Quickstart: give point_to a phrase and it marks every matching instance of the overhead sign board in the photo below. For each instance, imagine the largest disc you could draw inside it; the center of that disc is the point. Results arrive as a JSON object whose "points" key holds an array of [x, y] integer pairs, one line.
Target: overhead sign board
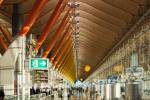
{"points": [[135, 72], [101, 82], [38, 63], [112, 79]]}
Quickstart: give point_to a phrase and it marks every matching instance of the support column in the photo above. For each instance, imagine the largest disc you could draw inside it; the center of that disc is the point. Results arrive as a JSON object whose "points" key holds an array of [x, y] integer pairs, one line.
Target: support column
{"points": [[17, 19], [16, 25], [20, 71]]}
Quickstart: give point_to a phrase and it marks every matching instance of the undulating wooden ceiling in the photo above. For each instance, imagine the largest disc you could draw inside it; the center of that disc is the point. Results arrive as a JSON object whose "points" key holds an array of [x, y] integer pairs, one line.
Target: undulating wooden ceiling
{"points": [[102, 23]]}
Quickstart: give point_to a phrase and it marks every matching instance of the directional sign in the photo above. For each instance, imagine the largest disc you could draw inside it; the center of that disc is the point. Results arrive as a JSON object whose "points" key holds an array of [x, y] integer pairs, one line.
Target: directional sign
{"points": [[135, 71], [101, 82], [112, 79], [38, 63]]}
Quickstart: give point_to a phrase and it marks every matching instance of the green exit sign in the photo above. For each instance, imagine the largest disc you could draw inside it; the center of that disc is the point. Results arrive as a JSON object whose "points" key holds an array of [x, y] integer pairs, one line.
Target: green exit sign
{"points": [[39, 63]]}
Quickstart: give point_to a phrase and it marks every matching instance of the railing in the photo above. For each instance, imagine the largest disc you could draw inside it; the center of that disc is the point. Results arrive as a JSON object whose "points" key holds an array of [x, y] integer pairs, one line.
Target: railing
{"points": [[15, 97], [38, 96], [41, 96]]}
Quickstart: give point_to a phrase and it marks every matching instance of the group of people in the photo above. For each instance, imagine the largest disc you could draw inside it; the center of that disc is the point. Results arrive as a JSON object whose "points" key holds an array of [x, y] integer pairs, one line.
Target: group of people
{"points": [[34, 91], [38, 90]]}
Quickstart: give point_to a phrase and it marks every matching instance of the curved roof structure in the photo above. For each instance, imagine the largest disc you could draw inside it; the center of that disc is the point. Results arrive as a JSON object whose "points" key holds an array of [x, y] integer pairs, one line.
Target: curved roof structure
{"points": [[102, 23]]}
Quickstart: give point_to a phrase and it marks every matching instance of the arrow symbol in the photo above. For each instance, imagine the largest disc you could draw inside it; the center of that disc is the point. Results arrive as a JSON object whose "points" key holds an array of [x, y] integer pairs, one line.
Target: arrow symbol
{"points": [[43, 63]]}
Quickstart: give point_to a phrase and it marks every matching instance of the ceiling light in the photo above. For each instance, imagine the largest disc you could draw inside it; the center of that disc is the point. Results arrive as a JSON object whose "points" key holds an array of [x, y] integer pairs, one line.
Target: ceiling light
{"points": [[73, 4], [87, 68], [81, 79]]}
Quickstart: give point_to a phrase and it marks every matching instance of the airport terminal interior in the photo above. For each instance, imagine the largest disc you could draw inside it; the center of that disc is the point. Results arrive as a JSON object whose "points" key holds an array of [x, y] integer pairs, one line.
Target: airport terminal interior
{"points": [[74, 49]]}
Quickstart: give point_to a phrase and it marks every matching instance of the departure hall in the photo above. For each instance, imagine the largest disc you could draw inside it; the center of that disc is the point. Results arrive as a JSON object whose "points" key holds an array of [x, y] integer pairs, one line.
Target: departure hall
{"points": [[74, 49]]}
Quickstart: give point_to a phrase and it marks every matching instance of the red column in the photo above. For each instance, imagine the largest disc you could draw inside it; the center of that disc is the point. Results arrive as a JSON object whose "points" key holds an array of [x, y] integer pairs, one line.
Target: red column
{"points": [[65, 61], [52, 20], [6, 33], [61, 27], [59, 55], [61, 42], [3, 44], [37, 8], [1, 1], [59, 65]]}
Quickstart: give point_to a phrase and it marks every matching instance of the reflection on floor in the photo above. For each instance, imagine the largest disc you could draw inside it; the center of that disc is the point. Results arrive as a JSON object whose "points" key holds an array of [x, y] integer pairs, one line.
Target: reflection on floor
{"points": [[79, 96]]}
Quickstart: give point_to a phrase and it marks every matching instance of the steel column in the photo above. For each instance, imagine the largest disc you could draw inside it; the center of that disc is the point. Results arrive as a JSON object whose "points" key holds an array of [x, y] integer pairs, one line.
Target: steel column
{"points": [[52, 20], [53, 40], [37, 8]]}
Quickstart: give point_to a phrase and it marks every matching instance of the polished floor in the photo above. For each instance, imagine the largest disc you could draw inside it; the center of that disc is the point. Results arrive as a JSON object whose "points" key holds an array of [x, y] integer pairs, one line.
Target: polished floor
{"points": [[78, 96]]}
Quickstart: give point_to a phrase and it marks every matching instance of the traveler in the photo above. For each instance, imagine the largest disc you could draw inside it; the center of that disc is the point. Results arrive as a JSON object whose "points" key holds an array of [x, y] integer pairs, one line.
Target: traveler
{"points": [[2, 94]]}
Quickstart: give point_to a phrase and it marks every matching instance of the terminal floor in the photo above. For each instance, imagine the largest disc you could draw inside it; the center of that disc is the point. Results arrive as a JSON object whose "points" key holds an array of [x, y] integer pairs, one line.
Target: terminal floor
{"points": [[78, 97]]}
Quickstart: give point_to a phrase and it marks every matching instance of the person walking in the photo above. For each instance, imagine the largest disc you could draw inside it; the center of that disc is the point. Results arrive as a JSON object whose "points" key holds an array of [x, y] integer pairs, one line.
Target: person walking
{"points": [[2, 94]]}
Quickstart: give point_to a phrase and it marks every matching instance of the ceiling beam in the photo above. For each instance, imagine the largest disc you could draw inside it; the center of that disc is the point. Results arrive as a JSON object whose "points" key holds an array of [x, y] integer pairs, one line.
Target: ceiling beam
{"points": [[6, 33], [92, 41], [111, 21], [91, 44], [68, 64], [96, 33], [126, 9], [107, 8], [62, 42], [101, 23], [61, 61], [102, 14], [11, 2], [3, 44], [55, 36], [37, 8], [65, 61], [140, 2], [60, 54], [52, 20], [98, 40], [98, 27]]}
